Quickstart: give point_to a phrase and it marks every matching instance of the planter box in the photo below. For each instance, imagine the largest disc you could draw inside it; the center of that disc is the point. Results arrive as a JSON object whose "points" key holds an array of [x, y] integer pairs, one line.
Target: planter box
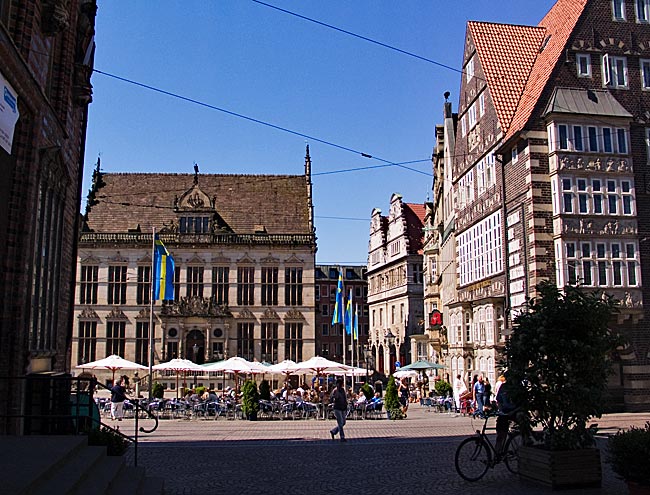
{"points": [[561, 469]]}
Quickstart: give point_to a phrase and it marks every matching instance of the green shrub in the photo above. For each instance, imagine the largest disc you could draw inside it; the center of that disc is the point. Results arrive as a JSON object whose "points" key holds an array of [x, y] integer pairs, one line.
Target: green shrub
{"points": [[629, 454], [265, 390], [391, 400], [250, 401], [157, 390], [442, 387], [115, 443], [367, 391], [200, 391]]}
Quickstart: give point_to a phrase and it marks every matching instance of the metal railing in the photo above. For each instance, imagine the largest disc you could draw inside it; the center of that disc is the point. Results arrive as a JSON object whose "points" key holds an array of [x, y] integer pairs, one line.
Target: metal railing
{"points": [[63, 405]]}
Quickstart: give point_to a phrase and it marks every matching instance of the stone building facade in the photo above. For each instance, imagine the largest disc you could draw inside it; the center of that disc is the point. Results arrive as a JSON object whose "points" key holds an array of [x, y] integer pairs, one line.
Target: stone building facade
{"points": [[244, 250], [395, 282], [329, 339], [46, 57], [550, 172]]}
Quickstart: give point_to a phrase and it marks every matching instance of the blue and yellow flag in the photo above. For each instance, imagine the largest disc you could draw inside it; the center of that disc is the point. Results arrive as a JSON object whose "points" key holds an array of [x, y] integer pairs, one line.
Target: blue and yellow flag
{"points": [[163, 276], [337, 315], [356, 322], [348, 315]]}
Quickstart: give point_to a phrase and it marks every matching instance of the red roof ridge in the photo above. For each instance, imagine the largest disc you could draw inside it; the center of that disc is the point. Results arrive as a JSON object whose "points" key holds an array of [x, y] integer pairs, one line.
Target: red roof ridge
{"points": [[559, 22]]}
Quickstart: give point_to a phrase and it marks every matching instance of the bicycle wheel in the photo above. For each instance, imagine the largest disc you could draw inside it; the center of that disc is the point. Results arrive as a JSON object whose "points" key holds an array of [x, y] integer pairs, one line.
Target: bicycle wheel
{"points": [[472, 458], [511, 456]]}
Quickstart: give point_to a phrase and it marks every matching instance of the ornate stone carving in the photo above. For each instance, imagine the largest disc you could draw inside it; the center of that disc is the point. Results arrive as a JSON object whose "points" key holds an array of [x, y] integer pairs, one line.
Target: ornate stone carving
{"points": [[169, 228], [88, 314], [143, 314], [54, 17], [294, 314], [116, 314], [195, 306], [246, 314], [600, 226], [611, 164], [270, 314]]}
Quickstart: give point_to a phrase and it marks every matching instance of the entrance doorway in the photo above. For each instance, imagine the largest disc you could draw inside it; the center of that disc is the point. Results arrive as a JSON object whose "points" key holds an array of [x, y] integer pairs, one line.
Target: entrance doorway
{"points": [[195, 346]]}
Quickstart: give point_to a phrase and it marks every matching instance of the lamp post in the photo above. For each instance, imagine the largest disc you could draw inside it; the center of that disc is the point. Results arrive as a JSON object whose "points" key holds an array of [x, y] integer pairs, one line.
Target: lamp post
{"points": [[390, 340], [195, 350], [366, 354]]}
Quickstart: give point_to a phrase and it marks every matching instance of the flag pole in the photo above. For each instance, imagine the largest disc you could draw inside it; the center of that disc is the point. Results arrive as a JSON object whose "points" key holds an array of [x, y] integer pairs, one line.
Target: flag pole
{"points": [[153, 285]]}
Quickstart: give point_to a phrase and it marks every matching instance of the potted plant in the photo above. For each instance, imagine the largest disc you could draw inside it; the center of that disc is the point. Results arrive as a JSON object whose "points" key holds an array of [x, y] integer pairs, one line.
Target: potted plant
{"points": [[442, 388], [157, 390], [629, 454], [391, 401], [557, 363], [250, 400]]}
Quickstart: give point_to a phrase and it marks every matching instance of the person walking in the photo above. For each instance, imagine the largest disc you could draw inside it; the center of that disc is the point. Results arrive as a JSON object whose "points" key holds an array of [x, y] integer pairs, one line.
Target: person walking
{"points": [[118, 396], [339, 401], [479, 390]]}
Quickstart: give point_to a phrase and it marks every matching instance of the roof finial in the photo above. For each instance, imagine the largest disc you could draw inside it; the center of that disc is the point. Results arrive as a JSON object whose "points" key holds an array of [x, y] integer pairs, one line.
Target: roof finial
{"points": [[196, 173]]}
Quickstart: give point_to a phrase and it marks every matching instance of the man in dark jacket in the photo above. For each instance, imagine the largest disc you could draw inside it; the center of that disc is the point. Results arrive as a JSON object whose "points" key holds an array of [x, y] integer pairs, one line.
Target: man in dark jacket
{"points": [[339, 401], [118, 396]]}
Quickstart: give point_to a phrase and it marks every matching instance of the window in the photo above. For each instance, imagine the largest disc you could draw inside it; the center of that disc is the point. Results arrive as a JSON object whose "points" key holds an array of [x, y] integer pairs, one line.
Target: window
{"points": [[582, 196], [417, 274], [469, 69], [593, 138], [614, 71], [596, 139], [325, 310], [618, 10], [578, 141], [463, 126], [643, 11], [479, 250], [293, 286], [220, 284], [246, 285], [583, 64], [143, 294], [602, 264], [194, 281], [563, 137], [468, 327], [89, 282], [87, 342], [142, 343], [317, 292], [293, 341], [514, 154], [194, 225], [269, 286], [269, 342], [607, 140], [177, 283], [485, 173], [115, 337], [481, 104], [245, 342], [471, 115], [567, 195], [645, 73], [621, 141], [116, 286], [617, 195], [325, 329]]}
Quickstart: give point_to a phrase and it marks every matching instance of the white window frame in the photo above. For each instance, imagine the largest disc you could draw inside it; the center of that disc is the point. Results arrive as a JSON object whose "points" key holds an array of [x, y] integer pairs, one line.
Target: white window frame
{"points": [[618, 5], [612, 72], [579, 58], [469, 69], [479, 250], [610, 198], [618, 137], [471, 116], [642, 10], [644, 66], [481, 103]]}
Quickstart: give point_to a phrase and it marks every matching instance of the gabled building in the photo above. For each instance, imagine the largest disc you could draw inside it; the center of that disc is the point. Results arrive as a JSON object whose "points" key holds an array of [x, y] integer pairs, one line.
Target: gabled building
{"points": [[244, 249], [551, 162], [395, 282], [46, 60], [329, 338]]}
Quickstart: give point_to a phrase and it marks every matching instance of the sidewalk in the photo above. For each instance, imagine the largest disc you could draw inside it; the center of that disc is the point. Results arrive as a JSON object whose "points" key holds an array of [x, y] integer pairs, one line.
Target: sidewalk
{"points": [[415, 455]]}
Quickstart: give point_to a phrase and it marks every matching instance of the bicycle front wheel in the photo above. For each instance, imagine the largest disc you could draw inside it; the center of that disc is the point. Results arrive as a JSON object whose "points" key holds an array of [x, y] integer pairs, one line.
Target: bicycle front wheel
{"points": [[511, 456], [472, 459]]}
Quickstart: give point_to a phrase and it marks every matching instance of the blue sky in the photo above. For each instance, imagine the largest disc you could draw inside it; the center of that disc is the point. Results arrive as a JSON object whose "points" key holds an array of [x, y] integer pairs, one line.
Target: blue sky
{"points": [[252, 60]]}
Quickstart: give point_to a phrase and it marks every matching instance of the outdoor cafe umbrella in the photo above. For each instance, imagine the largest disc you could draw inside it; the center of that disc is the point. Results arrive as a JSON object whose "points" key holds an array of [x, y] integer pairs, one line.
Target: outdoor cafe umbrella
{"points": [[178, 365], [401, 373], [113, 363], [286, 368], [423, 364], [319, 365], [236, 365]]}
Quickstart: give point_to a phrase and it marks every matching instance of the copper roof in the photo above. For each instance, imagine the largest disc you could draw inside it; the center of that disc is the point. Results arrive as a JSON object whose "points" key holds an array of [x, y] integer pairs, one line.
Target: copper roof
{"points": [[507, 53], [558, 24], [277, 204]]}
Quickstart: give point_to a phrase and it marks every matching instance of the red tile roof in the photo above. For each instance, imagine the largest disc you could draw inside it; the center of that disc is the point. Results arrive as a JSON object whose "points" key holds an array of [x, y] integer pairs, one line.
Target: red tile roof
{"points": [[558, 24], [507, 54], [414, 214]]}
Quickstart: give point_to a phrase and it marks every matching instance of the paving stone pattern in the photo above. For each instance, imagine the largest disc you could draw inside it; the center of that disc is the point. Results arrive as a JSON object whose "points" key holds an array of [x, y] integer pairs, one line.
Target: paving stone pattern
{"points": [[416, 455]]}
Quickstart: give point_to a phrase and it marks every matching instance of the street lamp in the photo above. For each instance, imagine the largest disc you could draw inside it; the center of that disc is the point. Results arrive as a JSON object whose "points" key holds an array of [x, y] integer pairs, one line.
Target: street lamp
{"points": [[195, 350], [367, 352], [390, 340]]}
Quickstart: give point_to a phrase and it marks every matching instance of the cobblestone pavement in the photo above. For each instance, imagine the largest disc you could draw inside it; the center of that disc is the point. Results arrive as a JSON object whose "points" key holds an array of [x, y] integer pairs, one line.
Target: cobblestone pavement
{"points": [[416, 455]]}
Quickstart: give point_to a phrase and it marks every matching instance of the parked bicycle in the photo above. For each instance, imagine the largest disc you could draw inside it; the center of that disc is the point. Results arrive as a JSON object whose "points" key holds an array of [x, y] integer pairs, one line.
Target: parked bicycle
{"points": [[476, 454]]}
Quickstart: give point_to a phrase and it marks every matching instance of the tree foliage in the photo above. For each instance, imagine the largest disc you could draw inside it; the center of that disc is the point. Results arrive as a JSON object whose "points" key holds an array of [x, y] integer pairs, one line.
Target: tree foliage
{"points": [[391, 400], [250, 401], [557, 363]]}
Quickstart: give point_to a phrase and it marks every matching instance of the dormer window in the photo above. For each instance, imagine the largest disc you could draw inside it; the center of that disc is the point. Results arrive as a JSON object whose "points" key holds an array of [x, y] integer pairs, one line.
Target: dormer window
{"points": [[194, 225]]}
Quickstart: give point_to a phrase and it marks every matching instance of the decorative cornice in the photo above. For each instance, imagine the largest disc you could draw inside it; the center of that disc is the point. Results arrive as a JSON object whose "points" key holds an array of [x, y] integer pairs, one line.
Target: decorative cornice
{"points": [[270, 314], [294, 314], [195, 306], [143, 314], [116, 314], [246, 314], [88, 314]]}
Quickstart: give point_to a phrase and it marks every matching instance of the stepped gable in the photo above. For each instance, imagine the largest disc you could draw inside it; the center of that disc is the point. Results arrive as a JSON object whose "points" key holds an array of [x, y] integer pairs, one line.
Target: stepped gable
{"points": [[558, 24], [414, 214], [506, 53], [139, 202]]}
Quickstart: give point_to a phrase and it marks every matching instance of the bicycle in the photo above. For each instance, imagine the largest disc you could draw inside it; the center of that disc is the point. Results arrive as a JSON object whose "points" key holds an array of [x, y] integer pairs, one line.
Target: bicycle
{"points": [[476, 454]]}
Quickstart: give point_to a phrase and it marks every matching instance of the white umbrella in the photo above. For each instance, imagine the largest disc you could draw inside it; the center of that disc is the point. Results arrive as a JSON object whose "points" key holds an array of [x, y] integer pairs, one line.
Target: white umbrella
{"points": [[405, 373], [237, 365], [177, 365], [113, 363], [319, 365]]}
